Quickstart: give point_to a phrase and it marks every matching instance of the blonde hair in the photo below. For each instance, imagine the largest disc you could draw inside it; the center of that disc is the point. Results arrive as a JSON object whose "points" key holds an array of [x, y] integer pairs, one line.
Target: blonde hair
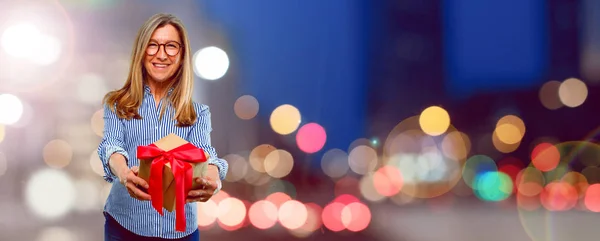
{"points": [[126, 101]]}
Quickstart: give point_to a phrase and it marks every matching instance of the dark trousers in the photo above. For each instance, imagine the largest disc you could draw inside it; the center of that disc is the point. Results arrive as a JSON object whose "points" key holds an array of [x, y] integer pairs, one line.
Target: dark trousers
{"points": [[113, 231]]}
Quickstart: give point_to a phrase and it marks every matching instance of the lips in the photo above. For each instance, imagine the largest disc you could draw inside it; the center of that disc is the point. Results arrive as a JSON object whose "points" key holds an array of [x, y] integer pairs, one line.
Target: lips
{"points": [[160, 66]]}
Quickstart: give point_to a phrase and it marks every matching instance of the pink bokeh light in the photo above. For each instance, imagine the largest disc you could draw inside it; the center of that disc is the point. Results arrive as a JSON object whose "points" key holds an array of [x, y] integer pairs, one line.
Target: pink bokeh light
{"points": [[311, 138]]}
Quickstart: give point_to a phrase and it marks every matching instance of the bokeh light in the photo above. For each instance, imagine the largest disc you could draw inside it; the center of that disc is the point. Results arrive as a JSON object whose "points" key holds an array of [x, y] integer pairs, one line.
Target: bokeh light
{"points": [[11, 109], [456, 145], [356, 216], [572, 92], [97, 123], [493, 186], [57, 153], [434, 120], [18, 39], [510, 129], [388, 180], [211, 63], [332, 216], [208, 212], [335, 163], [592, 198], [545, 157], [549, 95], [96, 164], [231, 211], [292, 214], [50, 193], [56, 234], [477, 165], [279, 163], [285, 119], [263, 214], [362, 159], [311, 138], [2, 132], [258, 155], [246, 107], [238, 167]]}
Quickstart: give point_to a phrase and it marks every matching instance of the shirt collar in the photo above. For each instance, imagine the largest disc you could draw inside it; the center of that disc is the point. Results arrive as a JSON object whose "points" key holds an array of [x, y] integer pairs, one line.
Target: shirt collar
{"points": [[147, 90]]}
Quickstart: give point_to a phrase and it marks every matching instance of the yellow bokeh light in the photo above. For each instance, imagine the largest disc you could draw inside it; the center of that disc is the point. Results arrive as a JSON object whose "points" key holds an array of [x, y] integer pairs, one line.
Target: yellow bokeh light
{"points": [[279, 163], [258, 155], [510, 129], [508, 133], [572, 92], [285, 119], [434, 120]]}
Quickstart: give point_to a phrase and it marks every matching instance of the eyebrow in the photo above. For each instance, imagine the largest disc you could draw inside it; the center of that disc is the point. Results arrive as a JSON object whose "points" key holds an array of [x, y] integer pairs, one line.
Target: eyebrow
{"points": [[154, 40]]}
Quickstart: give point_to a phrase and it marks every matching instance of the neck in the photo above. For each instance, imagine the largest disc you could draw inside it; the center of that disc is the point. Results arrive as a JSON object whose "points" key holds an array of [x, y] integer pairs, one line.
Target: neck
{"points": [[158, 89]]}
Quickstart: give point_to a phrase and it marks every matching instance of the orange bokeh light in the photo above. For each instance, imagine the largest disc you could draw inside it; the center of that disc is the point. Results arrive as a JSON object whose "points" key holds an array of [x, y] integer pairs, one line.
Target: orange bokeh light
{"points": [[592, 198], [545, 157]]}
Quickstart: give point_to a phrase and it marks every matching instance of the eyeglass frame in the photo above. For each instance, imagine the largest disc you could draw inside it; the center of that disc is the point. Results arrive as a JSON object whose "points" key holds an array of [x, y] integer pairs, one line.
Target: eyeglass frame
{"points": [[164, 48]]}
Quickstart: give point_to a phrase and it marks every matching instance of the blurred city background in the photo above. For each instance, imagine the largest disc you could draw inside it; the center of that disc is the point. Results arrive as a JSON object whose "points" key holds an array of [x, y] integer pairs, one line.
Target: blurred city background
{"points": [[415, 120]]}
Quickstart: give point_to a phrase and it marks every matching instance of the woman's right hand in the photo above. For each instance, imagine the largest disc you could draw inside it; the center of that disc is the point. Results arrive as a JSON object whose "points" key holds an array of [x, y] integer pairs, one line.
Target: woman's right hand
{"points": [[132, 182]]}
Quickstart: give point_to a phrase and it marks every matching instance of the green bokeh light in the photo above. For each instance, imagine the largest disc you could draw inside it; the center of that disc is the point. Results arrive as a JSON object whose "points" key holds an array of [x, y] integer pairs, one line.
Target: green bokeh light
{"points": [[493, 186]]}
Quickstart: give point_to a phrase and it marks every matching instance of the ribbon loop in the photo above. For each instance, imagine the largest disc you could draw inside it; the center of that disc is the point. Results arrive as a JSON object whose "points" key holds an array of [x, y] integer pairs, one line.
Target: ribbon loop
{"points": [[180, 160]]}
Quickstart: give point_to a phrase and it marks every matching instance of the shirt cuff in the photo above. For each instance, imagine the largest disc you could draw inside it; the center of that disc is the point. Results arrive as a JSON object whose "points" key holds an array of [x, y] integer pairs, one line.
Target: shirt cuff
{"points": [[221, 165], [109, 176]]}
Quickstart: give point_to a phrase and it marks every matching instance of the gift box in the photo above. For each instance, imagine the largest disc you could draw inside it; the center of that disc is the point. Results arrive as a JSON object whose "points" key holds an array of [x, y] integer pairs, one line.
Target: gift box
{"points": [[170, 166]]}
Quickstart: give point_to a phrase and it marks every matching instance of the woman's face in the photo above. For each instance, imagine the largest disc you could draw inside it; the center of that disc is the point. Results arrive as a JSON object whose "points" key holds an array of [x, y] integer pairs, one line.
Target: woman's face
{"points": [[163, 54]]}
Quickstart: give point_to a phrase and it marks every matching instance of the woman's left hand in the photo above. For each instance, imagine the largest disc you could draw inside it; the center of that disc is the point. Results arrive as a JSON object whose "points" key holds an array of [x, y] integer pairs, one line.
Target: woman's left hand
{"points": [[204, 192]]}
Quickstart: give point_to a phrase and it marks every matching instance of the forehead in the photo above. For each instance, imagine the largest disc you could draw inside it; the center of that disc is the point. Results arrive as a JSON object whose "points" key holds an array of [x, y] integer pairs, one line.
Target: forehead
{"points": [[166, 33]]}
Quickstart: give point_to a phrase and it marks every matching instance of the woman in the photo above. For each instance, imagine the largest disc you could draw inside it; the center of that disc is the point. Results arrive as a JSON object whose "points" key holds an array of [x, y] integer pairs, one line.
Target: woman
{"points": [[155, 101]]}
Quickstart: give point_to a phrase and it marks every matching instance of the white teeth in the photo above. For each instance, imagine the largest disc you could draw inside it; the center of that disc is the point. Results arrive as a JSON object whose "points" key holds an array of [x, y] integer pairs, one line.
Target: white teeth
{"points": [[160, 65]]}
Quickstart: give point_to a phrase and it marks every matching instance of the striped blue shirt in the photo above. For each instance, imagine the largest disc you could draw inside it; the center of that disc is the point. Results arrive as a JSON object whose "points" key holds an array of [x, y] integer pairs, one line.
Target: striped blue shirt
{"points": [[123, 136]]}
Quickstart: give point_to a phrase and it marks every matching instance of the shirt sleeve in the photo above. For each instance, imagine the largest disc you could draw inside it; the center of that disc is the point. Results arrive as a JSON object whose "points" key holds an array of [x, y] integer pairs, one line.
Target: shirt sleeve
{"points": [[112, 142], [200, 137]]}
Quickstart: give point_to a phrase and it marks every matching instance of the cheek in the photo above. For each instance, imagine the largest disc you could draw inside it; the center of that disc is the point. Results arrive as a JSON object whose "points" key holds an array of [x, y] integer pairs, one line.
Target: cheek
{"points": [[147, 60]]}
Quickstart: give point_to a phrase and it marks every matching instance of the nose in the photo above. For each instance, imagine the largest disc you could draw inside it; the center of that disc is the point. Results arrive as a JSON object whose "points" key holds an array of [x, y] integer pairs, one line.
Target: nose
{"points": [[162, 55]]}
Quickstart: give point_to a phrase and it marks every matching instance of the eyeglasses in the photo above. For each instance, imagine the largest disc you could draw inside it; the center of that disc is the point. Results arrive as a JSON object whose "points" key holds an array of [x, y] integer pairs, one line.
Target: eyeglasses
{"points": [[171, 48]]}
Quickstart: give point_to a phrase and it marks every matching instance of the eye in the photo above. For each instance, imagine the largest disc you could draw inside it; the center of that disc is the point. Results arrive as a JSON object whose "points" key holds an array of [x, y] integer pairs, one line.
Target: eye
{"points": [[172, 46], [152, 45]]}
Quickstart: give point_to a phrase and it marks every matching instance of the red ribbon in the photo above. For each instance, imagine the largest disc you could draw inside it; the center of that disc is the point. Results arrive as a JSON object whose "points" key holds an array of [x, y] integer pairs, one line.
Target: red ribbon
{"points": [[179, 159]]}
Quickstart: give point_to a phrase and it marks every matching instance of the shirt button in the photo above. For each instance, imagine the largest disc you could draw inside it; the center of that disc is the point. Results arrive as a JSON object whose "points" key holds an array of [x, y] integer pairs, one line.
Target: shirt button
{"points": [[156, 127]]}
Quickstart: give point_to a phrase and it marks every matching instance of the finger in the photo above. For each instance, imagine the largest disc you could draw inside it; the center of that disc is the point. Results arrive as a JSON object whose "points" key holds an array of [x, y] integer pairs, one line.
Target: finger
{"points": [[197, 193], [209, 184], [138, 181], [199, 199], [135, 169], [137, 192]]}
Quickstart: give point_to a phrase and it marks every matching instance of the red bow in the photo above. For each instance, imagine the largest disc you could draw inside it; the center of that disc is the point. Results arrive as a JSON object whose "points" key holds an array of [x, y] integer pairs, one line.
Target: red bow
{"points": [[179, 159]]}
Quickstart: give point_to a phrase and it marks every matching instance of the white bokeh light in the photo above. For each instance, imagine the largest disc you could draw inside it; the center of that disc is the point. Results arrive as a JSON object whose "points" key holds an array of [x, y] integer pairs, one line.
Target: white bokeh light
{"points": [[211, 63], [47, 50], [18, 39], [11, 109], [56, 234], [50, 193]]}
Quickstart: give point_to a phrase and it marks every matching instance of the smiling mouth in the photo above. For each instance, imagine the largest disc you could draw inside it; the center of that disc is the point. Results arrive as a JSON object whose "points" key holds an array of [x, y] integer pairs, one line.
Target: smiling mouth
{"points": [[160, 66]]}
